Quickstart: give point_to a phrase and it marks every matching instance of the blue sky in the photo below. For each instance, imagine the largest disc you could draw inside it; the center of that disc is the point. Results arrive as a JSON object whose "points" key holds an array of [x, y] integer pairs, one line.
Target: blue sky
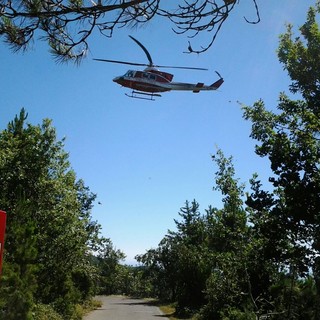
{"points": [[144, 159]]}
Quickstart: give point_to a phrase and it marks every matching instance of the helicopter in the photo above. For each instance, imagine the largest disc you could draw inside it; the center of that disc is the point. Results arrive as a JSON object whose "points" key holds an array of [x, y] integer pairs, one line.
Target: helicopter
{"points": [[150, 82]]}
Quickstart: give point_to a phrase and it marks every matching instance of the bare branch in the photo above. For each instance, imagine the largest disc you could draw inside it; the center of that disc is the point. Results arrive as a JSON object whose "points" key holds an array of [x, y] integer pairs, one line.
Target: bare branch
{"points": [[257, 13], [68, 24]]}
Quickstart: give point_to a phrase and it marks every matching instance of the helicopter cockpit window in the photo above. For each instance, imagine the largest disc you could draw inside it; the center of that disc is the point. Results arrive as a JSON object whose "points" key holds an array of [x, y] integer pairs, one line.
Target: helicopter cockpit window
{"points": [[149, 76], [129, 73]]}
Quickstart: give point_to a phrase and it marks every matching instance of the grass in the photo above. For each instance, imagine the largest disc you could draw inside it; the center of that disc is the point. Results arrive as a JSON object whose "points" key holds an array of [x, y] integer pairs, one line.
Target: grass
{"points": [[169, 311], [91, 305]]}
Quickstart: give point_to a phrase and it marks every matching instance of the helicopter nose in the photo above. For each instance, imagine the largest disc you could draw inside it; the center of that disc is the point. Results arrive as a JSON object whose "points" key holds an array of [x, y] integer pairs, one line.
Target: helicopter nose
{"points": [[118, 79]]}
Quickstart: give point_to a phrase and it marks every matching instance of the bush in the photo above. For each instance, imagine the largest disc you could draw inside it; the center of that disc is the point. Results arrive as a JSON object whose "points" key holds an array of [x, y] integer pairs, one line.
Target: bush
{"points": [[235, 314], [78, 312], [86, 307], [45, 312]]}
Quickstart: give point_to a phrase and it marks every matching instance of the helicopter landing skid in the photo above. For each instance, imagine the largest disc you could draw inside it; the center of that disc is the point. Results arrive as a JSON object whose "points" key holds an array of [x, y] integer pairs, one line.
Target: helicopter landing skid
{"points": [[144, 96]]}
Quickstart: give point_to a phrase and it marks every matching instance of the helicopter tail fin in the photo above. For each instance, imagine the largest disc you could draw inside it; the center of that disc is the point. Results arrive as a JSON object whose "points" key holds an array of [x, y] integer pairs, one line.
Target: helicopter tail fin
{"points": [[217, 84]]}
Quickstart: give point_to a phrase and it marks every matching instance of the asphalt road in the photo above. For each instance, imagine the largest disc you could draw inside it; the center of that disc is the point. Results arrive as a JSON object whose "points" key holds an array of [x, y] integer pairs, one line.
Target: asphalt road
{"points": [[124, 308]]}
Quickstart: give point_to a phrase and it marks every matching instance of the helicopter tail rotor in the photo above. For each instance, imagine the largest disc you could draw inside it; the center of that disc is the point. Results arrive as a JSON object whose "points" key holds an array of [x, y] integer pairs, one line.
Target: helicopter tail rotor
{"points": [[219, 75]]}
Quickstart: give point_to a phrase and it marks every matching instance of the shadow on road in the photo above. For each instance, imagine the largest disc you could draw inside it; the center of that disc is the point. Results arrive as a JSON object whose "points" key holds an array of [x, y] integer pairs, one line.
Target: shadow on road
{"points": [[137, 301], [155, 303]]}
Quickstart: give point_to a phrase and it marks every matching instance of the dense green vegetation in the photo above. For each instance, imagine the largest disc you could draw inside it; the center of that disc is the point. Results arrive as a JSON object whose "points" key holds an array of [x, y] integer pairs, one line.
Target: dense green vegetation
{"points": [[256, 256], [50, 236]]}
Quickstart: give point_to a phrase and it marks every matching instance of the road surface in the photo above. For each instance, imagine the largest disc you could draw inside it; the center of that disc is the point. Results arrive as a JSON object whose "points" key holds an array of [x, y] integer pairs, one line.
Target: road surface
{"points": [[124, 308]]}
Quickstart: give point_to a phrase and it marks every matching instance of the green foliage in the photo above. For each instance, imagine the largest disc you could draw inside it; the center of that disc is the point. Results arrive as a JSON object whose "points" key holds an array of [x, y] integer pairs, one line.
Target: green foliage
{"points": [[204, 261], [287, 222], [107, 265], [253, 258], [49, 227], [290, 139], [18, 283], [45, 312], [258, 258], [235, 314]]}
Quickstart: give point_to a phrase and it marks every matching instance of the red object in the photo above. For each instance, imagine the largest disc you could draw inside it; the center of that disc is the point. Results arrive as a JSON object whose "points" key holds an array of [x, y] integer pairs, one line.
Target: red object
{"points": [[3, 218]]}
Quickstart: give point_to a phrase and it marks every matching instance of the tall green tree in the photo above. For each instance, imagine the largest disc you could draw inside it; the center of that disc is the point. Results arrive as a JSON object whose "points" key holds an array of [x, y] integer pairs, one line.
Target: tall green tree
{"points": [[55, 222], [228, 238], [191, 263], [108, 264], [19, 284], [288, 220], [161, 269], [178, 264], [203, 262], [290, 139]]}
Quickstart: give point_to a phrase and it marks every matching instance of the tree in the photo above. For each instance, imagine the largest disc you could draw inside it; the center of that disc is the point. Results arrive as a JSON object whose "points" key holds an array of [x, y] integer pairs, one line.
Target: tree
{"points": [[178, 266], [204, 263], [161, 269], [67, 25], [191, 263], [19, 283], [107, 262], [291, 141], [49, 209], [228, 286], [288, 220]]}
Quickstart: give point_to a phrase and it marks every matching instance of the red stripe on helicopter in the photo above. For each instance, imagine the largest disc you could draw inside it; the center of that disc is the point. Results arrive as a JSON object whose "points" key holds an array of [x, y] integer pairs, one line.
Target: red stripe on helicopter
{"points": [[198, 85]]}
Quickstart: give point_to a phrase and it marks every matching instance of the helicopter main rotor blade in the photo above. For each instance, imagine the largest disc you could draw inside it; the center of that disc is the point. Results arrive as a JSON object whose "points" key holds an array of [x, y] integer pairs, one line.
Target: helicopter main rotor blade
{"points": [[156, 66], [144, 49], [187, 68], [123, 62], [146, 65]]}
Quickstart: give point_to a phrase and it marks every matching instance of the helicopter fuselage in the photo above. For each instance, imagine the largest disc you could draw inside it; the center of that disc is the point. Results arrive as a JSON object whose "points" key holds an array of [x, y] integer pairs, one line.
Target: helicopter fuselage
{"points": [[152, 80], [149, 80]]}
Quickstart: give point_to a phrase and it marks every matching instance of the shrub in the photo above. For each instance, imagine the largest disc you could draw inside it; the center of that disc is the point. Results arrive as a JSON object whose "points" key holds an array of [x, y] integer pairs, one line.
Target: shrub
{"points": [[45, 312]]}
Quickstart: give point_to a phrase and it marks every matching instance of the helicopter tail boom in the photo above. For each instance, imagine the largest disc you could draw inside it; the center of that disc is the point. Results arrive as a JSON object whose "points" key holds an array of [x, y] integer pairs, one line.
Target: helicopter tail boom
{"points": [[195, 88]]}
